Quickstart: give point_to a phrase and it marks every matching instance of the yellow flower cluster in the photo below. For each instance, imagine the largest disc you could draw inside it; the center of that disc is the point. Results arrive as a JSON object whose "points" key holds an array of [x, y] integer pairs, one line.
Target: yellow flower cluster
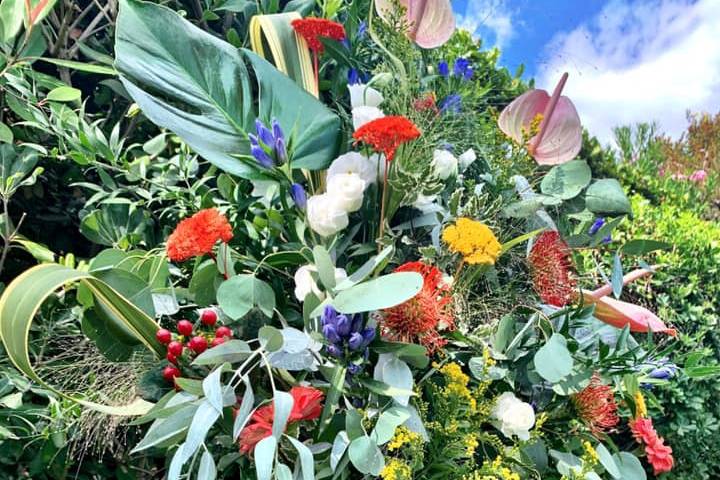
{"points": [[591, 455], [403, 436], [473, 240], [396, 469], [456, 384], [640, 406], [471, 444], [493, 471]]}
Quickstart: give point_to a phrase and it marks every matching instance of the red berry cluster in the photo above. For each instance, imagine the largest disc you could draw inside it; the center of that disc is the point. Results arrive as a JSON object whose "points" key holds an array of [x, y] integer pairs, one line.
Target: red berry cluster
{"points": [[196, 341]]}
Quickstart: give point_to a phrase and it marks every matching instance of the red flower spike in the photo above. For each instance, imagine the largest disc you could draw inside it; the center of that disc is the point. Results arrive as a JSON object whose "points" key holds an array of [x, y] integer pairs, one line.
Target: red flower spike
{"points": [[552, 270], [185, 328], [422, 317], [596, 406], [198, 235], [175, 348], [312, 29], [163, 336], [198, 344], [386, 134], [169, 373]]}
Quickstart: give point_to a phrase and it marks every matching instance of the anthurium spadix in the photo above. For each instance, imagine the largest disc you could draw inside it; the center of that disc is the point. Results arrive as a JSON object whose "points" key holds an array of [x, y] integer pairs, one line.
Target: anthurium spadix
{"points": [[431, 22], [554, 118], [619, 314]]}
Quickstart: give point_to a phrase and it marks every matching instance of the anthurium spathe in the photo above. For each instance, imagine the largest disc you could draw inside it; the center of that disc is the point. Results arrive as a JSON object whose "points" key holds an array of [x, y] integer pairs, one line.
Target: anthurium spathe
{"points": [[619, 314], [431, 22], [554, 118]]}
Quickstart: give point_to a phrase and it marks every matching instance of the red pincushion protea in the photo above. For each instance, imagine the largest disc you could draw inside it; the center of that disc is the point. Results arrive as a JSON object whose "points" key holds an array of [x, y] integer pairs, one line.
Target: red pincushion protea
{"points": [[596, 406], [386, 134], [551, 268], [311, 29], [198, 235], [658, 454], [421, 318]]}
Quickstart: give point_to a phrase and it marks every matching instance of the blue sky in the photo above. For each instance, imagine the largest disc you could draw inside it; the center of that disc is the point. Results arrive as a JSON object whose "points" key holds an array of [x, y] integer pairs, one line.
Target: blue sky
{"points": [[628, 60]]}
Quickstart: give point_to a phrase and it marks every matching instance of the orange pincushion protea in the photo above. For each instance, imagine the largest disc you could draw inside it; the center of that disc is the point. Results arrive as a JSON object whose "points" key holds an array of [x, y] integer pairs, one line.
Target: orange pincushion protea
{"points": [[422, 317], [311, 29], [198, 235], [386, 134], [551, 268], [596, 406]]}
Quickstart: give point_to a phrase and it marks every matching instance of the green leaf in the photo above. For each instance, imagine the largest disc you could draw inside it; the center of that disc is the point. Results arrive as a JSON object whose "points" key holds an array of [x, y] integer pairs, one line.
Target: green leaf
{"points": [[607, 461], [607, 196], [12, 14], [200, 87], [232, 351], [382, 292], [307, 465], [382, 388], [241, 293], [643, 246], [6, 134], [80, 66], [553, 360], [212, 388], [207, 470], [166, 428], [388, 421], [616, 277], [366, 456], [366, 269], [243, 414], [265, 457], [325, 266], [63, 94], [566, 181], [115, 225], [270, 338], [629, 466]]}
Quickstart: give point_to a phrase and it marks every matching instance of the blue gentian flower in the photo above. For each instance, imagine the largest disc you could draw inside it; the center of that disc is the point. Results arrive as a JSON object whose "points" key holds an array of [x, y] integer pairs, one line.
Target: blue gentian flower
{"points": [[461, 66], [297, 192], [597, 225], [451, 104], [468, 75], [261, 156], [362, 30], [346, 336], [607, 239], [353, 76], [444, 69], [264, 134]]}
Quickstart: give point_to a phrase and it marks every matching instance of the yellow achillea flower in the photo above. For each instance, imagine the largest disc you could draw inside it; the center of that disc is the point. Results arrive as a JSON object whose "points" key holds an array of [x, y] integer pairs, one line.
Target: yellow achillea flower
{"points": [[640, 407], [473, 240], [396, 469]]}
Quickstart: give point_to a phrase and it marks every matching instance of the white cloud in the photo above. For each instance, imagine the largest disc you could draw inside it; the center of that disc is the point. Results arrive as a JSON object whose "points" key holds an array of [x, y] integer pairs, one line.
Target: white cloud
{"points": [[488, 16], [640, 60]]}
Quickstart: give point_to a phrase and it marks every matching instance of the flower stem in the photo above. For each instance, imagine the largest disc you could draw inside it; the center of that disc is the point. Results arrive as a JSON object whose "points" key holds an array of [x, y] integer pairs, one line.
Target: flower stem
{"points": [[459, 268], [316, 67], [382, 208]]}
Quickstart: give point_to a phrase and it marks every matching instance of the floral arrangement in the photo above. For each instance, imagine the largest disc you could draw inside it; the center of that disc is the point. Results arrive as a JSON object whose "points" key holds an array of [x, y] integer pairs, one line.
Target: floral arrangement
{"points": [[381, 305]]}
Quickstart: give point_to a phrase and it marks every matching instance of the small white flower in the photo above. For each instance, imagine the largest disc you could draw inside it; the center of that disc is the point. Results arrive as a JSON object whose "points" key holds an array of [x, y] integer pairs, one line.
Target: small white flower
{"points": [[346, 189], [363, 115], [305, 283], [425, 203], [354, 162], [363, 96], [325, 216], [467, 158], [513, 416], [445, 163]]}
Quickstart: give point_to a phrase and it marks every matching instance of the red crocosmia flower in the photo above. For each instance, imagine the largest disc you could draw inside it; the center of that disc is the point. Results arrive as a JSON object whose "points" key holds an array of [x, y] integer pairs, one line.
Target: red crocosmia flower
{"points": [[552, 269], [596, 406], [307, 405], [311, 29], [658, 454], [386, 134], [198, 235], [421, 318]]}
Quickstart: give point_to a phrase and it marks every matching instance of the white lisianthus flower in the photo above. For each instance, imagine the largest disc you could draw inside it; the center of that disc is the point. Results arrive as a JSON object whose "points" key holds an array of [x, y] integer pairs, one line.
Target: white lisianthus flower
{"points": [[346, 190], [425, 203], [357, 163], [467, 158], [363, 96], [445, 163], [512, 416], [325, 215], [363, 115], [305, 283]]}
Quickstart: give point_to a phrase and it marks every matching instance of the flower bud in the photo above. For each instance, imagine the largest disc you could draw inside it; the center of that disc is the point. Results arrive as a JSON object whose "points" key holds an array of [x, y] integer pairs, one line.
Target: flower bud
{"points": [[356, 341]]}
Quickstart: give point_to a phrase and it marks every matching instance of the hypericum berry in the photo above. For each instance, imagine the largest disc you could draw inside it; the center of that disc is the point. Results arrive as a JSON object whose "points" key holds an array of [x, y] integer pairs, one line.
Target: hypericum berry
{"points": [[171, 358], [169, 373], [198, 344], [175, 348], [217, 341], [163, 336], [185, 328], [223, 332], [208, 317]]}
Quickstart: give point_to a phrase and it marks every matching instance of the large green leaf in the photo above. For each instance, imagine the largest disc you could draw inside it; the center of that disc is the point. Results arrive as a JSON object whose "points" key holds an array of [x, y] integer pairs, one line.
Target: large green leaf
{"points": [[198, 86], [23, 297], [607, 196], [567, 180]]}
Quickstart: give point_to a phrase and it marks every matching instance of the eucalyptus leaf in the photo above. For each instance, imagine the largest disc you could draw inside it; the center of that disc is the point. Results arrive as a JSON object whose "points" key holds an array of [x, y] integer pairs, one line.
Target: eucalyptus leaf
{"points": [[567, 180], [553, 360], [241, 293]]}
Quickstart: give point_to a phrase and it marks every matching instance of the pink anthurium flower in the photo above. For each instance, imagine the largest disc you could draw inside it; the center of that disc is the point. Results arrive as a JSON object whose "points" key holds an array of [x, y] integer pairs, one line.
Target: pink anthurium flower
{"points": [[559, 136], [619, 314], [432, 22]]}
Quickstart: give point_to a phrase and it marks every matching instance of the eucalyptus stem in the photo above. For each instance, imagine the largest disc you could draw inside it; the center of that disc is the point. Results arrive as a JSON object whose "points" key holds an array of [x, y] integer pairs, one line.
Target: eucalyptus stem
{"points": [[382, 208]]}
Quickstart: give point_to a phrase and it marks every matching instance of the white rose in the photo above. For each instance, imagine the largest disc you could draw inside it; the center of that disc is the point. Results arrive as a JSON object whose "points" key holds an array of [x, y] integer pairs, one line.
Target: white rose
{"points": [[346, 189], [305, 283], [363, 115], [467, 158], [363, 96], [325, 216], [445, 164], [425, 203], [513, 416], [354, 162]]}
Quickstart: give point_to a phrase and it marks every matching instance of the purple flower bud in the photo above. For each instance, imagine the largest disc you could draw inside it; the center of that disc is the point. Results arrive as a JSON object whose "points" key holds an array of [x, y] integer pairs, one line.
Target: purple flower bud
{"points": [[368, 336], [356, 341], [329, 316], [281, 150], [297, 192], [664, 372], [451, 104], [330, 333], [335, 351], [343, 326], [253, 140], [597, 225], [354, 369], [607, 239], [261, 156], [264, 134], [461, 67], [277, 130], [444, 69], [353, 76], [357, 323], [468, 75]]}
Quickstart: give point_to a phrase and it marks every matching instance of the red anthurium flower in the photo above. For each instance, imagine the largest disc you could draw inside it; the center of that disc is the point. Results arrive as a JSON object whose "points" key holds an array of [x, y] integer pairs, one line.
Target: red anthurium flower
{"points": [[431, 22], [312, 29], [385, 135], [198, 235], [559, 132]]}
